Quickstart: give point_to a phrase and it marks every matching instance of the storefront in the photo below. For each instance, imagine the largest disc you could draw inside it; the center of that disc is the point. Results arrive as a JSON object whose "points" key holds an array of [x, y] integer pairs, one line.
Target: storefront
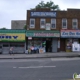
{"points": [[48, 40], [68, 37], [12, 38]]}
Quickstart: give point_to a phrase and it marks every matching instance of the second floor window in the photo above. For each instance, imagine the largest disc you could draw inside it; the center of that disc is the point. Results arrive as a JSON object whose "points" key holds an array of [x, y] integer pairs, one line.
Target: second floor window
{"points": [[64, 23], [32, 23], [75, 24], [53, 23], [42, 23]]}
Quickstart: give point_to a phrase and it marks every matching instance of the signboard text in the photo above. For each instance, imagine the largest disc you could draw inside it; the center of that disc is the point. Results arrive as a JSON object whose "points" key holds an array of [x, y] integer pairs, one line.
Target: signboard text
{"points": [[70, 33], [43, 14]]}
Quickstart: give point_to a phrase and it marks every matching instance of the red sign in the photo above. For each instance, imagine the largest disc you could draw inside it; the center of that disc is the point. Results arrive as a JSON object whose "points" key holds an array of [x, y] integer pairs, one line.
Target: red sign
{"points": [[46, 34]]}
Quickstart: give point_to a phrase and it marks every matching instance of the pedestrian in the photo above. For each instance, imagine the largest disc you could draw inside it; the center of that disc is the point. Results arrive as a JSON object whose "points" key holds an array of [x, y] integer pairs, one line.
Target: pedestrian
{"points": [[32, 49], [11, 50]]}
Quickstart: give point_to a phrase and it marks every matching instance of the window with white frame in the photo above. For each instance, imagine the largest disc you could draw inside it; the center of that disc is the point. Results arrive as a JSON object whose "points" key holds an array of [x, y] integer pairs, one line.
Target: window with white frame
{"points": [[32, 23], [42, 23], [64, 23], [74, 23], [53, 23]]}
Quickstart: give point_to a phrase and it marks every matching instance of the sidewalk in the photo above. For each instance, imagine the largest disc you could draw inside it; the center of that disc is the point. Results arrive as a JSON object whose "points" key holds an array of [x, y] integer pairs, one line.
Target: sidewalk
{"points": [[41, 55]]}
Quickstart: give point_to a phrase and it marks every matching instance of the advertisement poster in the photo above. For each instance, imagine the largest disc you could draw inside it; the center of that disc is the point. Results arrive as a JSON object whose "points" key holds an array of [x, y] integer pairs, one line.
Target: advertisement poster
{"points": [[75, 47]]}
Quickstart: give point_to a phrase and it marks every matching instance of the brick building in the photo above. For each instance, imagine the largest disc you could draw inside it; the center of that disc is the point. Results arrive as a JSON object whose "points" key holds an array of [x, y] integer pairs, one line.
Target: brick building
{"points": [[58, 29]]}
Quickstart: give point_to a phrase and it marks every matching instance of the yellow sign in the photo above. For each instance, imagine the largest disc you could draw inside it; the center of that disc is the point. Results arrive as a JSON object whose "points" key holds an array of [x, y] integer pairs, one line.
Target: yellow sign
{"points": [[12, 36]]}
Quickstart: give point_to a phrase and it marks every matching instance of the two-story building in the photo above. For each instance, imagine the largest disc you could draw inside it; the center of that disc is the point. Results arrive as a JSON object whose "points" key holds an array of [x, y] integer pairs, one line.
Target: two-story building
{"points": [[56, 29], [70, 29], [42, 30]]}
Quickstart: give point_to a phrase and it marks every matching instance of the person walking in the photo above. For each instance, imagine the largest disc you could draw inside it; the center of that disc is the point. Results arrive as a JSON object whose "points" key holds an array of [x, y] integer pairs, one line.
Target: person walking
{"points": [[11, 50]]}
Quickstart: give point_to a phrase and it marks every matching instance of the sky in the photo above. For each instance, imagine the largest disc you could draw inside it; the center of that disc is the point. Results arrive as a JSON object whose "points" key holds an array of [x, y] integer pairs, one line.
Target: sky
{"points": [[17, 9]]}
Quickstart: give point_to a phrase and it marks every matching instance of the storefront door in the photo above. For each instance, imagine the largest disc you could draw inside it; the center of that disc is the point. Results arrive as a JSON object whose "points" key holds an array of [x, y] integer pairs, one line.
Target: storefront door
{"points": [[54, 45], [62, 44], [48, 45]]}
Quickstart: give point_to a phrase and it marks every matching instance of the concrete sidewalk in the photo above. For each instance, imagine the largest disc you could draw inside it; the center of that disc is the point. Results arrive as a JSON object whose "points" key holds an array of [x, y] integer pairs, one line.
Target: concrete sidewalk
{"points": [[41, 55]]}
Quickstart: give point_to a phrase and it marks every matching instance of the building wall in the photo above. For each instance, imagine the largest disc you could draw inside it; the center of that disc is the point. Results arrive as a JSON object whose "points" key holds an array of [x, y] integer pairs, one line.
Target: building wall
{"points": [[69, 14], [18, 24]]}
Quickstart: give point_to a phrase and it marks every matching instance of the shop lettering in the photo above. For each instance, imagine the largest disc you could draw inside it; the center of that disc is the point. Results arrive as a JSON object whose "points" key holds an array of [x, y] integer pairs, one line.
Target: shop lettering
{"points": [[64, 33], [45, 14], [8, 37], [70, 33], [43, 34], [77, 33]]}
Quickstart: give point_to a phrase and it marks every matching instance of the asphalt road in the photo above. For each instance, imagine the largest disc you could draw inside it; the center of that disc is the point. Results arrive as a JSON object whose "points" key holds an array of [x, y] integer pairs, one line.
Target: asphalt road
{"points": [[39, 69]]}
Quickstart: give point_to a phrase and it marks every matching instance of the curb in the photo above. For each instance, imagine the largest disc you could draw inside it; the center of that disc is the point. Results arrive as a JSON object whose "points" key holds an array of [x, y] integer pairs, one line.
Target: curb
{"points": [[41, 57]]}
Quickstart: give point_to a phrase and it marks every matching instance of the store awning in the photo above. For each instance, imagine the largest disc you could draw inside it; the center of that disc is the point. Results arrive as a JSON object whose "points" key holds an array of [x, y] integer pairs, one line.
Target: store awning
{"points": [[42, 33], [12, 31]]}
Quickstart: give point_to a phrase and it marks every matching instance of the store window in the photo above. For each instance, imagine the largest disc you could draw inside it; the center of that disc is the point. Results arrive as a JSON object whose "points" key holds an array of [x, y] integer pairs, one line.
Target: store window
{"points": [[75, 24], [16, 45], [13, 45], [42, 23], [5, 45], [32, 23], [64, 23], [53, 23], [75, 40], [35, 42]]}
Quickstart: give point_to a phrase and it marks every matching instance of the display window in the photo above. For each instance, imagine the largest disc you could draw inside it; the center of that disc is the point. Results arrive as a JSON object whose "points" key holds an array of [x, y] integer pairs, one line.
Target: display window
{"points": [[75, 41], [35, 42]]}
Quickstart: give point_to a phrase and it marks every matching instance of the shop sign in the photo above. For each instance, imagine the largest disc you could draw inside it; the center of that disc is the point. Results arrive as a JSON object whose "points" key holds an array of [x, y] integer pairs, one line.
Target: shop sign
{"points": [[43, 34], [70, 33], [12, 37], [29, 38], [43, 14], [48, 26]]}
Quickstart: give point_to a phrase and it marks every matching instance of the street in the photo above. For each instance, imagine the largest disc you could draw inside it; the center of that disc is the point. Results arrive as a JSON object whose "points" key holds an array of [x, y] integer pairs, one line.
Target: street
{"points": [[39, 69]]}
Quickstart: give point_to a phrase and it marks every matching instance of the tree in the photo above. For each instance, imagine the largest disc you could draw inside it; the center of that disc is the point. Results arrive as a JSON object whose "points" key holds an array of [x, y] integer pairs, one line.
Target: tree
{"points": [[50, 5], [25, 26]]}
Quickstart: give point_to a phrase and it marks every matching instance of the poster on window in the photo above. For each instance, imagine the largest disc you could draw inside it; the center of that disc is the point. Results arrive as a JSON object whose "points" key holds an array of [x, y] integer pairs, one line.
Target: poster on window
{"points": [[75, 47]]}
